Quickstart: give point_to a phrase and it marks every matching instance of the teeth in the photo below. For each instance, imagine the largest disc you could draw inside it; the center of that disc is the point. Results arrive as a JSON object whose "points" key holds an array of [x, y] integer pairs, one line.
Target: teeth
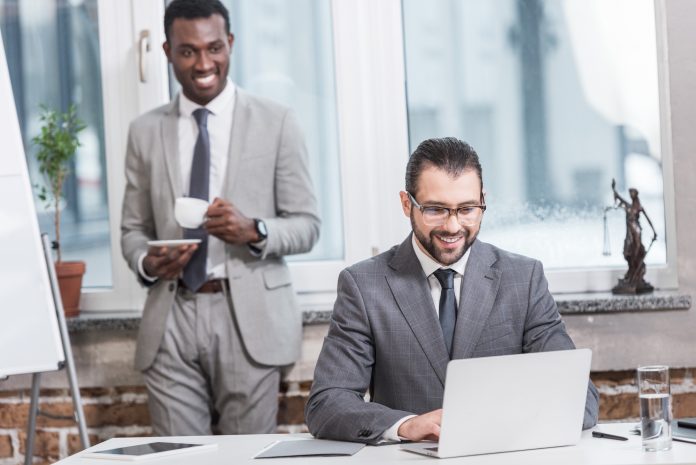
{"points": [[449, 239], [205, 79]]}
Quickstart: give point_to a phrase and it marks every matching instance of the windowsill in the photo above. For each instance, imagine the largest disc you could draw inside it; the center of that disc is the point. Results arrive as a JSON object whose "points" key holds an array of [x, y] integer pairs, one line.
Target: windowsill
{"points": [[568, 304]]}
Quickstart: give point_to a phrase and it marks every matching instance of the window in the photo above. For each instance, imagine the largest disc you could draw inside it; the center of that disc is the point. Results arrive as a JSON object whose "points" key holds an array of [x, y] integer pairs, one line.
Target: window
{"points": [[284, 51], [53, 56], [558, 97]]}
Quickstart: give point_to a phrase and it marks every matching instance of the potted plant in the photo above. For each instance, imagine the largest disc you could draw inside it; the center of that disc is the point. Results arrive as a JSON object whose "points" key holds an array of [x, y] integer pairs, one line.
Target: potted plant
{"points": [[57, 144]]}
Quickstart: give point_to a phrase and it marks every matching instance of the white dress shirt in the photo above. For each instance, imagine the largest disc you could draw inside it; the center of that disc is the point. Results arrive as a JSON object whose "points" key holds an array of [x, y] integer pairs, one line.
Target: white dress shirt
{"points": [[430, 266], [219, 129]]}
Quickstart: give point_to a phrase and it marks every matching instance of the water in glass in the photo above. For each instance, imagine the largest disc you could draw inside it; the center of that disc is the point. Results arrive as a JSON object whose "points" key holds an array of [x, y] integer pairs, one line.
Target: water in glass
{"points": [[656, 418]]}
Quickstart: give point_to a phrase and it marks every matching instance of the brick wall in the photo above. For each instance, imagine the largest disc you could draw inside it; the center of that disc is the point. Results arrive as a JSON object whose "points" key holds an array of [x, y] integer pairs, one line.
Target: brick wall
{"points": [[122, 411]]}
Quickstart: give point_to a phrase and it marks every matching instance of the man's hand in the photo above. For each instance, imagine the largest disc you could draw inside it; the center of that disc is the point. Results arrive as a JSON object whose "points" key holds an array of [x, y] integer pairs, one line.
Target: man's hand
{"points": [[227, 223], [424, 427], [167, 262]]}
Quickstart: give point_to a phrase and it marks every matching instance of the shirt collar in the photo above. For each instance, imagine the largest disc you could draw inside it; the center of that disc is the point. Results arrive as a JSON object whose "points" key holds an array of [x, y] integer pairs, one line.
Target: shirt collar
{"points": [[430, 266], [216, 106]]}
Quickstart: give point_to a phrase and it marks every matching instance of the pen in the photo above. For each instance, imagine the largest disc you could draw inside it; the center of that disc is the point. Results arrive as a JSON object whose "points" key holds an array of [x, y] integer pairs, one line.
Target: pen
{"points": [[599, 434]]}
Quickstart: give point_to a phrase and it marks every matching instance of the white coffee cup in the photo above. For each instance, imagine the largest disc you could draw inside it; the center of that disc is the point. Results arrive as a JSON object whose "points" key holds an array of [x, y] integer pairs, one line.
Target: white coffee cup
{"points": [[190, 212]]}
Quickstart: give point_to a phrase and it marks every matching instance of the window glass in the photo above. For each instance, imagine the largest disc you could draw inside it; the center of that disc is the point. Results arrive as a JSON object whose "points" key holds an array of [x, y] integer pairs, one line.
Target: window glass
{"points": [[283, 50], [557, 97], [52, 49]]}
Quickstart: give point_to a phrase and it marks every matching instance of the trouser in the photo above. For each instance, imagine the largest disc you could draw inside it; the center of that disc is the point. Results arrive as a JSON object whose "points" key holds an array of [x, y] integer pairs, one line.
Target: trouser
{"points": [[202, 374]]}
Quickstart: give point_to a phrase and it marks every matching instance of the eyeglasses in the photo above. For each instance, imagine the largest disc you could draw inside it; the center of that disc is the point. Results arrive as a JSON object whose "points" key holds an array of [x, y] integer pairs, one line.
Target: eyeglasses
{"points": [[437, 216]]}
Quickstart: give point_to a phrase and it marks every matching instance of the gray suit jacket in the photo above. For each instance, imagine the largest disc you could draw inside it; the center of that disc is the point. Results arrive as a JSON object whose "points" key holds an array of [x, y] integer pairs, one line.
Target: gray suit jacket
{"points": [[268, 178], [385, 337]]}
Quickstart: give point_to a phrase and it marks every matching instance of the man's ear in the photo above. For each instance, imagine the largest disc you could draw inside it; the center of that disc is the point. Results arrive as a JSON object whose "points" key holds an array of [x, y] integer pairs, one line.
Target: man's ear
{"points": [[167, 50], [230, 41], [405, 203]]}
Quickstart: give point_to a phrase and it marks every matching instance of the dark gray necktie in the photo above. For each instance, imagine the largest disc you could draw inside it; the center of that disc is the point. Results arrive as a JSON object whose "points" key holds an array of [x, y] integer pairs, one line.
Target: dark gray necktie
{"points": [[195, 272], [448, 305]]}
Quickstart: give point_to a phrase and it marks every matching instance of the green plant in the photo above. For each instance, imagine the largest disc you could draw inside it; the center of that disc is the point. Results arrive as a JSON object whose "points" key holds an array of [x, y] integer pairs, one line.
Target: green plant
{"points": [[56, 144]]}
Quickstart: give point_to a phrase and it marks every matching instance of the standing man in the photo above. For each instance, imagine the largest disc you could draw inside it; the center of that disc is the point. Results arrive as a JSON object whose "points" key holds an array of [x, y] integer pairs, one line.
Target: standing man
{"points": [[401, 316], [220, 319]]}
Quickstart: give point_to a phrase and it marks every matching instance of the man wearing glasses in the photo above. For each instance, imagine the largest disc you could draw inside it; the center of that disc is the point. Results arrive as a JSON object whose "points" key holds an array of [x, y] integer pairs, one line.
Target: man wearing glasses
{"points": [[401, 316]]}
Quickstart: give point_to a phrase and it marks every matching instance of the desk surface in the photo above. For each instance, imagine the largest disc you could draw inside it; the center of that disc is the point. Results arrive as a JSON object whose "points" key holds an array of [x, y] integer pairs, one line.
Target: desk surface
{"points": [[241, 449]]}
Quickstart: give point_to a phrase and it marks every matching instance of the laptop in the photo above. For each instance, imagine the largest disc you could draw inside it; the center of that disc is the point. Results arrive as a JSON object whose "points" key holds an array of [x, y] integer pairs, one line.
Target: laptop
{"points": [[510, 403]]}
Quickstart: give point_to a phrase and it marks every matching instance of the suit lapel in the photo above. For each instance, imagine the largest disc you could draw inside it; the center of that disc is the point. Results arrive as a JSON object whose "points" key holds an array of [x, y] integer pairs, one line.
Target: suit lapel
{"points": [[479, 288], [409, 286], [170, 142], [238, 135]]}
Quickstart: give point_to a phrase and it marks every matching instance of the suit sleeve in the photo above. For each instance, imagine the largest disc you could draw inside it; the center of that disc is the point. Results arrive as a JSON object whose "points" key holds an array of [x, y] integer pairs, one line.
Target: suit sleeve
{"points": [[545, 331], [295, 228], [336, 408], [137, 221]]}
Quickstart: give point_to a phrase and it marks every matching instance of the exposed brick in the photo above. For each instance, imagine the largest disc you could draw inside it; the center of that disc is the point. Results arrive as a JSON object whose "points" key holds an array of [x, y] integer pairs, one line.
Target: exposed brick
{"points": [[130, 390], [14, 415], [63, 409], [684, 405], [46, 444], [75, 443], [119, 414], [5, 445], [304, 386], [291, 410], [618, 407]]}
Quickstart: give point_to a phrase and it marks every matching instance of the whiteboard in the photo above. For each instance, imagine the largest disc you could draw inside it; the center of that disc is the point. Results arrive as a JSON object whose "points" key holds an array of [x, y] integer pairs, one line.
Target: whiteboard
{"points": [[29, 337]]}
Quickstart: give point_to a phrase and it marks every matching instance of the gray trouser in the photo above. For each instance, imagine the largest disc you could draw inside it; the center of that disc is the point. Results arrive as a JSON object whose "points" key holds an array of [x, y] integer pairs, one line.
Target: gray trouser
{"points": [[203, 373]]}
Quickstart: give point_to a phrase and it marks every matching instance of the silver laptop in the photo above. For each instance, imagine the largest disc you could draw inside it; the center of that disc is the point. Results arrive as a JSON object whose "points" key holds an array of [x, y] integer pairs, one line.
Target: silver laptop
{"points": [[511, 402]]}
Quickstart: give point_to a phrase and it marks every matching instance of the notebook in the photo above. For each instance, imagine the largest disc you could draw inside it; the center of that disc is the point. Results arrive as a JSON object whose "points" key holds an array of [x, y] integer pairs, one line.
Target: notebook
{"points": [[511, 402]]}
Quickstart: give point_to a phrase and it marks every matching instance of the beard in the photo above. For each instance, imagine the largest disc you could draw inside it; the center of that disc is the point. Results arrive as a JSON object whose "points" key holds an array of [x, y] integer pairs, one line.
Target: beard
{"points": [[444, 257]]}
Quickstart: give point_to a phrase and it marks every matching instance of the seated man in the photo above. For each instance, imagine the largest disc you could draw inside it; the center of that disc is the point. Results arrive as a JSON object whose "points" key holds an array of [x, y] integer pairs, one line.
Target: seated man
{"points": [[385, 336]]}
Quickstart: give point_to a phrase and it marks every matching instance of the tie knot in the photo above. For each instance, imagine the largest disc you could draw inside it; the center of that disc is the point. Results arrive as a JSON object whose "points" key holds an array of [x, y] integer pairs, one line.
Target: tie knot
{"points": [[446, 277], [201, 116]]}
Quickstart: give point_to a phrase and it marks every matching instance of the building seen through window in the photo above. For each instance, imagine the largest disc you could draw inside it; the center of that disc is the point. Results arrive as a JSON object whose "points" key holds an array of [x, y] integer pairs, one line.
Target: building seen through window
{"points": [[558, 97], [52, 49]]}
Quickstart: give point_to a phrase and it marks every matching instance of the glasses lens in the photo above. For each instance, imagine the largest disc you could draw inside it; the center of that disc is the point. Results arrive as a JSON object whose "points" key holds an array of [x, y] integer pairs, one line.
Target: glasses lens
{"points": [[468, 215], [433, 216]]}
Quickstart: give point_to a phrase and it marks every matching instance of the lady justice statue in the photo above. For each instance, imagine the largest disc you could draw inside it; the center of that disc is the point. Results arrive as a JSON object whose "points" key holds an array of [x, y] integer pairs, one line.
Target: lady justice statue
{"points": [[634, 252]]}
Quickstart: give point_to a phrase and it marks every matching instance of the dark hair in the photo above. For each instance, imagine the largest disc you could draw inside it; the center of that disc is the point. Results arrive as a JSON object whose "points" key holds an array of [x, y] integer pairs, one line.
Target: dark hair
{"points": [[450, 154], [193, 9]]}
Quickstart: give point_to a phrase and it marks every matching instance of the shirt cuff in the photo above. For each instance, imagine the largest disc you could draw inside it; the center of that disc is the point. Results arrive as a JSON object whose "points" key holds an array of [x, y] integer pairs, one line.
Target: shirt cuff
{"points": [[256, 248], [391, 434], [141, 269]]}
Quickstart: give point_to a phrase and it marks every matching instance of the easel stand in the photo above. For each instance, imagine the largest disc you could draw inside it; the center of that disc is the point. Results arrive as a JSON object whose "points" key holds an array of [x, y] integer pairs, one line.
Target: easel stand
{"points": [[79, 415]]}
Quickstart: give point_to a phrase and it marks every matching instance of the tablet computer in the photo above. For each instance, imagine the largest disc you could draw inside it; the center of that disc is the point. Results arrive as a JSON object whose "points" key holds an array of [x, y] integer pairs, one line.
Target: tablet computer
{"points": [[148, 450]]}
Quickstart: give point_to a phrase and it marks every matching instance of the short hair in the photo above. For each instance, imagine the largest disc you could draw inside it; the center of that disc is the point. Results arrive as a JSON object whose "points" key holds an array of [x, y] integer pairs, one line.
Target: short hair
{"points": [[193, 9], [449, 154]]}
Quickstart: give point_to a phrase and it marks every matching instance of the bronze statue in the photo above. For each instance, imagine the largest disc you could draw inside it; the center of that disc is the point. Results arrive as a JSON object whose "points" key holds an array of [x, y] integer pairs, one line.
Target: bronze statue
{"points": [[634, 252]]}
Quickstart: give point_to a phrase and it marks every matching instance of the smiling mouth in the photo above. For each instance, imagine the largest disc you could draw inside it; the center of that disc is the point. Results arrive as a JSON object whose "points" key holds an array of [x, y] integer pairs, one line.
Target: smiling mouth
{"points": [[205, 81], [449, 239]]}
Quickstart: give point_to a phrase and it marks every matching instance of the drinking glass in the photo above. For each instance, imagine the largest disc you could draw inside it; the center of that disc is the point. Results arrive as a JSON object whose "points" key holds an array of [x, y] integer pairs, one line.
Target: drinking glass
{"points": [[655, 407]]}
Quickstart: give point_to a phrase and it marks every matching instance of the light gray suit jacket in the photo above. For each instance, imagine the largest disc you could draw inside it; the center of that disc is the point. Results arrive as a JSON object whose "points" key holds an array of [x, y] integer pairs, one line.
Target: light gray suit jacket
{"points": [[385, 337], [267, 178]]}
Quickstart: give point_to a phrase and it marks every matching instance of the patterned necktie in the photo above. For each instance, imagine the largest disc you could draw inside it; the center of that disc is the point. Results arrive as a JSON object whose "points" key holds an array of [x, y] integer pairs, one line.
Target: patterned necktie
{"points": [[448, 305], [195, 270]]}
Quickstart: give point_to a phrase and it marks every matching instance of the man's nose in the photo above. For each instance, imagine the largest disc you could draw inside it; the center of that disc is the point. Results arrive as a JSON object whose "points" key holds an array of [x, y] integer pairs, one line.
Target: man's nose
{"points": [[452, 224], [204, 62]]}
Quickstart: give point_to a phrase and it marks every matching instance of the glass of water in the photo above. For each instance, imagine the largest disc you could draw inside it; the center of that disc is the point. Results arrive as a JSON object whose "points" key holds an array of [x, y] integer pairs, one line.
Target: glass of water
{"points": [[655, 407]]}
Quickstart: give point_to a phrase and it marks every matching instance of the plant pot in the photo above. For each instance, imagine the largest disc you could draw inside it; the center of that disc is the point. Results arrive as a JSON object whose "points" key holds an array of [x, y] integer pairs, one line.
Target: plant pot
{"points": [[70, 284]]}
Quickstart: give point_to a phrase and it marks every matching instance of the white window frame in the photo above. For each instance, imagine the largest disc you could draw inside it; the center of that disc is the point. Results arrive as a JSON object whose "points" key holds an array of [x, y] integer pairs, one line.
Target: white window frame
{"points": [[373, 142]]}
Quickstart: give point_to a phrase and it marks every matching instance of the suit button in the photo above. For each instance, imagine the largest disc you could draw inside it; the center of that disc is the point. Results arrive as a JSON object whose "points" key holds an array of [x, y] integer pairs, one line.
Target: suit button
{"points": [[171, 287], [363, 433]]}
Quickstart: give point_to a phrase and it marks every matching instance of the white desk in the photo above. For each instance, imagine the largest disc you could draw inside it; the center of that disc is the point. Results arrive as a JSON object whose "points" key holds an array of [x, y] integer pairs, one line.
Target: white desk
{"points": [[239, 450]]}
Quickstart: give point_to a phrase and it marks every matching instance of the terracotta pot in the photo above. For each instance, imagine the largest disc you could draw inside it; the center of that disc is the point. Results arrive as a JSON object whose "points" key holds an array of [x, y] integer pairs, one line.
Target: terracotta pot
{"points": [[70, 284]]}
